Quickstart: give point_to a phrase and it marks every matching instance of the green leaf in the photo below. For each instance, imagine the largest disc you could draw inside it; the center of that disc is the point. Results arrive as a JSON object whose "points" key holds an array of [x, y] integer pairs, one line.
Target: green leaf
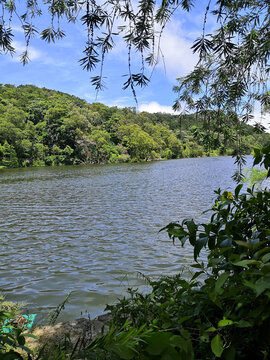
{"points": [[204, 337], [217, 346], [262, 284], [196, 266], [12, 355], [237, 190], [211, 329], [257, 156], [262, 251], [246, 263], [225, 322], [192, 228], [179, 341], [124, 351], [226, 243], [266, 258], [266, 268], [242, 243], [221, 280], [171, 354], [179, 233], [200, 243], [21, 340]]}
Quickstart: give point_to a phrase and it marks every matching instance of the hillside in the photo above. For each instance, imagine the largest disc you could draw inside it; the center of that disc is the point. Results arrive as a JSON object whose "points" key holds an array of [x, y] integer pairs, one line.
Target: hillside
{"points": [[45, 127]]}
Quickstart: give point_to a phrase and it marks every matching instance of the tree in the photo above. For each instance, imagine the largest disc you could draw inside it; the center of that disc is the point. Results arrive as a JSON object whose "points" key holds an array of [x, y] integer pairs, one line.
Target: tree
{"points": [[8, 155], [139, 143]]}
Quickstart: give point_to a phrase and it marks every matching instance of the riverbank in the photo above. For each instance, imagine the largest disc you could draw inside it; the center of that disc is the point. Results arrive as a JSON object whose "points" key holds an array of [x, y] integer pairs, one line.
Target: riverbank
{"points": [[79, 331], [31, 164]]}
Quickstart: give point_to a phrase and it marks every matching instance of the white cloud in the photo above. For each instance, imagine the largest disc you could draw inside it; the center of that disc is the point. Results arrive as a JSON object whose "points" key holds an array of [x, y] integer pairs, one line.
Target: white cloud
{"points": [[263, 119], [18, 29], [154, 107], [33, 53], [176, 48], [123, 101], [175, 56]]}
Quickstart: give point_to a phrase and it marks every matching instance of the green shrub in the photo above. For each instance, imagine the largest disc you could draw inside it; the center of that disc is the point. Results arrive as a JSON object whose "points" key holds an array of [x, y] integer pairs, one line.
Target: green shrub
{"points": [[255, 176], [154, 155], [38, 163], [114, 158], [9, 306], [124, 158], [166, 154], [12, 344]]}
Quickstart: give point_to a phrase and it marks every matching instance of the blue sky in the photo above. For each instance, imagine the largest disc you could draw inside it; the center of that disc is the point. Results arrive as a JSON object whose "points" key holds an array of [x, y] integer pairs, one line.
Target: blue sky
{"points": [[55, 65]]}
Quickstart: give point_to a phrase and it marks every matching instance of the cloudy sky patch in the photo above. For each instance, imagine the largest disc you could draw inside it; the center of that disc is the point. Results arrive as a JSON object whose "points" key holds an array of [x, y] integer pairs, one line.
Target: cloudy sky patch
{"points": [[56, 65], [154, 107]]}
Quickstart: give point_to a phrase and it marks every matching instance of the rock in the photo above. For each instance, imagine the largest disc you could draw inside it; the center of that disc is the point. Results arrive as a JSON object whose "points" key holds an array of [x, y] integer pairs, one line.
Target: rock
{"points": [[80, 331]]}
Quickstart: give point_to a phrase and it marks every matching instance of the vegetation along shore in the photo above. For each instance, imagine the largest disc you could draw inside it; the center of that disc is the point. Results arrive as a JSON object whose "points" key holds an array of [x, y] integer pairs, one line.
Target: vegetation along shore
{"points": [[41, 127]]}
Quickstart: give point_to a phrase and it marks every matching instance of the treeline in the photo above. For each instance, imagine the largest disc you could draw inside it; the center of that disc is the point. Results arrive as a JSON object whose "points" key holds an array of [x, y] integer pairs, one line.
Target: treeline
{"points": [[45, 127]]}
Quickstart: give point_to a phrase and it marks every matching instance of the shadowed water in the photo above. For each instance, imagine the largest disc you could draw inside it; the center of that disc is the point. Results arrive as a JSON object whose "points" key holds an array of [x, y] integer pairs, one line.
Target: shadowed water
{"points": [[91, 229]]}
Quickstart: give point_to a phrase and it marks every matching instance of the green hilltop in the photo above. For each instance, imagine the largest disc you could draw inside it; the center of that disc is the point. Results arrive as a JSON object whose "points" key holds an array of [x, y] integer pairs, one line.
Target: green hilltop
{"points": [[41, 127]]}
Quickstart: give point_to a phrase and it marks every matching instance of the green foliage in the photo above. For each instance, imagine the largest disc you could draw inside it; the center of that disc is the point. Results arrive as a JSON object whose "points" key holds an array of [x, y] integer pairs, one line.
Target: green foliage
{"points": [[138, 143], [10, 307], [8, 155], [44, 127], [12, 344], [255, 176]]}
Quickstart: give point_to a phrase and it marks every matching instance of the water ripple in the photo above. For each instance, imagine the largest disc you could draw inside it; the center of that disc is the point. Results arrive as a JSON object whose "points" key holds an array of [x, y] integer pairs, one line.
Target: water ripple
{"points": [[91, 229]]}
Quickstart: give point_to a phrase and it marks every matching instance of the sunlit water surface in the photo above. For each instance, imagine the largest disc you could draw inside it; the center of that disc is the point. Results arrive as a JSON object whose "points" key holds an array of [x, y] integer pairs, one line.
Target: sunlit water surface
{"points": [[92, 229]]}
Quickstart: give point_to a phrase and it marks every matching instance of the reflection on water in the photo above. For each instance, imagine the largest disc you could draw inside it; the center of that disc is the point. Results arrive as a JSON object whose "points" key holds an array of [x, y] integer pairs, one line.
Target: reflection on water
{"points": [[91, 229]]}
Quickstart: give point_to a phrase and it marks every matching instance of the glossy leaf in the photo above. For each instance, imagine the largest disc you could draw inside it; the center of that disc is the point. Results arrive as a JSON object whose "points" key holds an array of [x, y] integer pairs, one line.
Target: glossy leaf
{"points": [[217, 346]]}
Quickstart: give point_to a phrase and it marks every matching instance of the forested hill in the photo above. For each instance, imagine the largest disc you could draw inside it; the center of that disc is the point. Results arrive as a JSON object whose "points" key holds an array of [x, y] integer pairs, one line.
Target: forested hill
{"points": [[46, 127]]}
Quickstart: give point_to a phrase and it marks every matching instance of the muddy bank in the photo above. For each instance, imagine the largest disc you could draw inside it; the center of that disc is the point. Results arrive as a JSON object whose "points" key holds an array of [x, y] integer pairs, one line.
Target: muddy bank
{"points": [[80, 331]]}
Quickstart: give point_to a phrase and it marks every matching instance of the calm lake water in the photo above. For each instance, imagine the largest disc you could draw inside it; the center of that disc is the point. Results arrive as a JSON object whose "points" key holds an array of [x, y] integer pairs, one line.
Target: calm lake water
{"points": [[91, 229]]}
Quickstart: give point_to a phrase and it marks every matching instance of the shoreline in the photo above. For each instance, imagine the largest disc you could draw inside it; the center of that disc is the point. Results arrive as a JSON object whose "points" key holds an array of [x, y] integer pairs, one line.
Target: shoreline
{"points": [[115, 164]]}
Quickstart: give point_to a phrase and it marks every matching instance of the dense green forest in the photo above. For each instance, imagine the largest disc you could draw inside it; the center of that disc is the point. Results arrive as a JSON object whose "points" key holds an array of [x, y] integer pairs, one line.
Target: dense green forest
{"points": [[45, 127]]}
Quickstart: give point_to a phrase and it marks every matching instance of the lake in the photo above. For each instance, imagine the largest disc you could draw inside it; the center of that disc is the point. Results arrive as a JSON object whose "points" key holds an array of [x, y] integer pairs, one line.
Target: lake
{"points": [[93, 229]]}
